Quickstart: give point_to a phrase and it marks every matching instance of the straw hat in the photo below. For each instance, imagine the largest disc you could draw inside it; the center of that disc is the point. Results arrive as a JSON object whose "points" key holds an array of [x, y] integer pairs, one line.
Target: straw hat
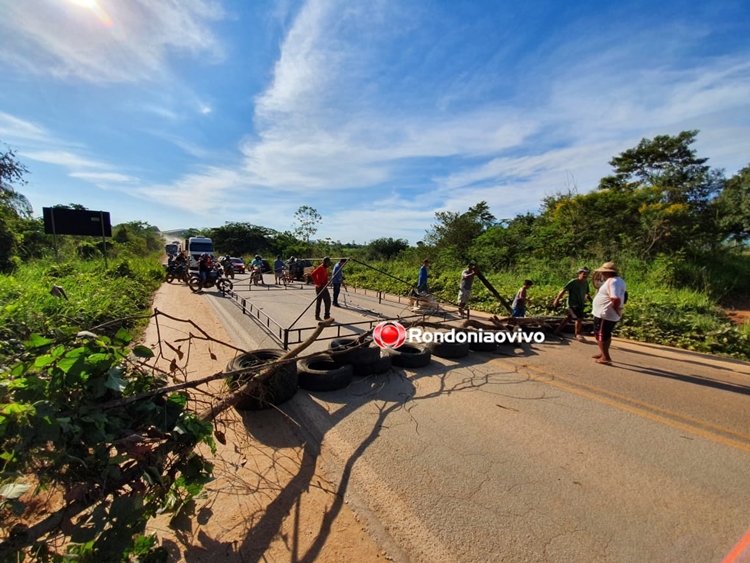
{"points": [[608, 267]]}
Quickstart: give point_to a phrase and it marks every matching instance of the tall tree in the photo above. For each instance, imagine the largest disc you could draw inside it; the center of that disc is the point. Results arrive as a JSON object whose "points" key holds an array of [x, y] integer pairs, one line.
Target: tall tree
{"points": [[732, 206], [454, 232], [307, 218], [15, 209]]}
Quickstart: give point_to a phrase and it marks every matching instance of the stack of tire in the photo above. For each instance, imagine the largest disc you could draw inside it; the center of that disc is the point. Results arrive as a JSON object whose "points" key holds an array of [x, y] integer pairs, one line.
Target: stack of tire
{"points": [[277, 389], [347, 358]]}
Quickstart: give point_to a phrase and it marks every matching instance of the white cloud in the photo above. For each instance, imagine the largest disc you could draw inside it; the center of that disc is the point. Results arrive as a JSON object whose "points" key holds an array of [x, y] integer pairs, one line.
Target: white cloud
{"points": [[67, 40], [103, 177], [17, 129], [63, 158]]}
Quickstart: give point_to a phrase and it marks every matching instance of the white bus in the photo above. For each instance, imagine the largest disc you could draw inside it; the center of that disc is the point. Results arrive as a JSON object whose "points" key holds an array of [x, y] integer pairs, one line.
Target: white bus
{"points": [[195, 246]]}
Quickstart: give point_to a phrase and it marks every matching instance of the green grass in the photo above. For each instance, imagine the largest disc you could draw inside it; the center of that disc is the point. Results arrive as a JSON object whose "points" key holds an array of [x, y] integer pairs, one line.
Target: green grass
{"points": [[95, 295]]}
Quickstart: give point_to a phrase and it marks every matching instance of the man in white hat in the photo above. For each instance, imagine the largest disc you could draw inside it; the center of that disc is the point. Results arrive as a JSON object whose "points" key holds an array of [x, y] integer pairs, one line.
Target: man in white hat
{"points": [[607, 309]]}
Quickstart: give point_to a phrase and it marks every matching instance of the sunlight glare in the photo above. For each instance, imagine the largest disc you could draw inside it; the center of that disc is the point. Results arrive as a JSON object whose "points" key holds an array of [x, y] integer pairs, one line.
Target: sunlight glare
{"points": [[94, 6]]}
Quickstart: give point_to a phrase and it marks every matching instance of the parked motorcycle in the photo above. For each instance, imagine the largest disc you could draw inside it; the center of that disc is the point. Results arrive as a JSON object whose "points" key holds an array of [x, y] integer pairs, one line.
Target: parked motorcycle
{"points": [[215, 279], [176, 271]]}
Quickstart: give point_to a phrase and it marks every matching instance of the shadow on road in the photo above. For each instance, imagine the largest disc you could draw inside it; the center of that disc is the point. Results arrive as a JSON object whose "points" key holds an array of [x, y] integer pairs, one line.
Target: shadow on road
{"points": [[694, 379]]}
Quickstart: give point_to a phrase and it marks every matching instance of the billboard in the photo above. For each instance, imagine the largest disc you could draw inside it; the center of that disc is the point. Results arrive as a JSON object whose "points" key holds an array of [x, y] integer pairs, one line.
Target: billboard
{"points": [[62, 221]]}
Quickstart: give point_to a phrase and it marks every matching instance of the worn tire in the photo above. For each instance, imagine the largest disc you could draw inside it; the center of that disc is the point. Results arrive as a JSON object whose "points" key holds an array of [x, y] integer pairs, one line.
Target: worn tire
{"points": [[277, 389], [348, 353], [410, 356], [449, 350], [381, 365], [321, 373], [482, 346]]}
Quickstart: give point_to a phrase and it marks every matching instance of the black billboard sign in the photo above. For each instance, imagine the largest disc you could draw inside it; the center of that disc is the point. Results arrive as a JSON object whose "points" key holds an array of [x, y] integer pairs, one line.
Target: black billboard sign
{"points": [[62, 221]]}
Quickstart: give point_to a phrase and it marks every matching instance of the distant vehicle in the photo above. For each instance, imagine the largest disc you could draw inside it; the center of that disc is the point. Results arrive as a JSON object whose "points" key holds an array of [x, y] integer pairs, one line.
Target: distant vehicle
{"points": [[172, 249], [302, 270], [239, 265], [195, 246], [266, 267]]}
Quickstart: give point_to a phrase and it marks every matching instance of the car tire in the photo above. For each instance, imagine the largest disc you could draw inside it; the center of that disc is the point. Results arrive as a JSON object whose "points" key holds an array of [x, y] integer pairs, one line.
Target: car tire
{"points": [[381, 365], [321, 373], [348, 352], [482, 346], [409, 356], [277, 389], [449, 350]]}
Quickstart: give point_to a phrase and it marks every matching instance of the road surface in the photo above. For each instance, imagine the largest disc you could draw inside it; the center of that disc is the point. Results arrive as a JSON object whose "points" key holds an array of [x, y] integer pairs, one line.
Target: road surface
{"points": [[529, 454]]}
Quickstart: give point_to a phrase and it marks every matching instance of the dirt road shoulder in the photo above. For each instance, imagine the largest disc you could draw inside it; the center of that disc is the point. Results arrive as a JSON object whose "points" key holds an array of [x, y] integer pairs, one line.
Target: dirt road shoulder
{"points": [[270, 501]]}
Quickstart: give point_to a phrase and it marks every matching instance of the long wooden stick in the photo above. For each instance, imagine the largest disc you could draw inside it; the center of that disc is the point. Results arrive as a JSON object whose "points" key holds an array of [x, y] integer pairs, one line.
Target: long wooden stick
{"points": [[494, 292]]}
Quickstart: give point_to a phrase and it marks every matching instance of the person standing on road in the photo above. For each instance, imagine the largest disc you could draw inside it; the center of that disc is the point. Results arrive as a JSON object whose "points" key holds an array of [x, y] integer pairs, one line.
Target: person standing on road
{"points": [[607, 308], [278, 269], [320, 279], [464, 290], [519, 303], [204, 267], [337, 278], [578, 294], [423, 275]]}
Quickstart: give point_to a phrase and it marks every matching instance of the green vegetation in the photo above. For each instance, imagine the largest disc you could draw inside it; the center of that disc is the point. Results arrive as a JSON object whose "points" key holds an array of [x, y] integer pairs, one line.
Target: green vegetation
{"points": [[676, 228]]}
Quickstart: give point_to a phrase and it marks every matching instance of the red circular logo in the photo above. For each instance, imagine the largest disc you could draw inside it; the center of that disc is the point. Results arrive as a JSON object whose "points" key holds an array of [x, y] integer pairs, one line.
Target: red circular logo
{"points": [[389, 334]]}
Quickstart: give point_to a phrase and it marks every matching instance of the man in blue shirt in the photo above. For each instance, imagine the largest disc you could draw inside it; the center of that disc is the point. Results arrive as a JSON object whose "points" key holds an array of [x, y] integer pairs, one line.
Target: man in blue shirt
{"points": [[337, 278], [423, 275]]}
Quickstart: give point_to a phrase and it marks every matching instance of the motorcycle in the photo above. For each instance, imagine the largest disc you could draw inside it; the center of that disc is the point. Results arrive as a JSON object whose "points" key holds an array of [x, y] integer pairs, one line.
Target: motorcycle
{"points": [[256, 277], [176, 271], [214, 279], [228, 267]]}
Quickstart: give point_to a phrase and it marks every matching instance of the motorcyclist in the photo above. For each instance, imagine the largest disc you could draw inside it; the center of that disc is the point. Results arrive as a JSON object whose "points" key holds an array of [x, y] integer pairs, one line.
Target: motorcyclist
{"points": [[257, 267], [292, 265]]}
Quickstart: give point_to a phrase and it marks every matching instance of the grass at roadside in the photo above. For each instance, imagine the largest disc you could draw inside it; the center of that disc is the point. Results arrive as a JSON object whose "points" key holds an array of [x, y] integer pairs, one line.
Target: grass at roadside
{"points": [[95, 295]]}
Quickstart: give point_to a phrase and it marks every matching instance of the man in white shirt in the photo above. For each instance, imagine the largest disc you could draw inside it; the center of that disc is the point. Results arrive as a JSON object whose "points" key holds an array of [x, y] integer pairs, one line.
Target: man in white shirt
{"points": [[607, 308]]}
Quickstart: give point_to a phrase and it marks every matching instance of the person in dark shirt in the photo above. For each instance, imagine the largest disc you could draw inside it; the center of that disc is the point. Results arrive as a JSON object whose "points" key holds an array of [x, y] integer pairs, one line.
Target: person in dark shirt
{"points": [[337, 278], [578, 295]]}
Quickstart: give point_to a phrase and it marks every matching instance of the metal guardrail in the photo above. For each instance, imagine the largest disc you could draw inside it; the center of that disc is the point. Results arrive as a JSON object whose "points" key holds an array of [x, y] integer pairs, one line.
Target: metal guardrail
{"points": [[286, 336]]}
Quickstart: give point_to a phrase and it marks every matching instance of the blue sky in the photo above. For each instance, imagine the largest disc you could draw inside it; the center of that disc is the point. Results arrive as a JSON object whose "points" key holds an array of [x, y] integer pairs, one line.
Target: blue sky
{"points": [[192, 113]]}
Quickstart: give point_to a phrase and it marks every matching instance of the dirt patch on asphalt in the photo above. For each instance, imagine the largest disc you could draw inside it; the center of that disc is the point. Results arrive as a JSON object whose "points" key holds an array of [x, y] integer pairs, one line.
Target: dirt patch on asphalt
{"points": [[270, 502]]}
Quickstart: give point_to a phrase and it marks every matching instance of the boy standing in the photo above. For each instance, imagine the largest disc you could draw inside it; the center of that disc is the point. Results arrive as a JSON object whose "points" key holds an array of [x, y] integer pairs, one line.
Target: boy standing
{"points": [[578, 294], [519, 303]]}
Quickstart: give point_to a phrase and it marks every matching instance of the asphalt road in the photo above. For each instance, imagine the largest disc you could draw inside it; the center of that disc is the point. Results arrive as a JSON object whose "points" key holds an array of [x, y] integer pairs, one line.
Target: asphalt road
{"points": [[529, 454]]}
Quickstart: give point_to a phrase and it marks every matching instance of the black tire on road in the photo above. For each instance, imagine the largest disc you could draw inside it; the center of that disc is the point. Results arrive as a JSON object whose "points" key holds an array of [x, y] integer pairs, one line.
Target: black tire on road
{"points": [[410, 356], [349, 353], [224, 286], [482, 346], [277, 389], [382, 365], [170, 278], [195, 284], [449, 350], [321, 373]]}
